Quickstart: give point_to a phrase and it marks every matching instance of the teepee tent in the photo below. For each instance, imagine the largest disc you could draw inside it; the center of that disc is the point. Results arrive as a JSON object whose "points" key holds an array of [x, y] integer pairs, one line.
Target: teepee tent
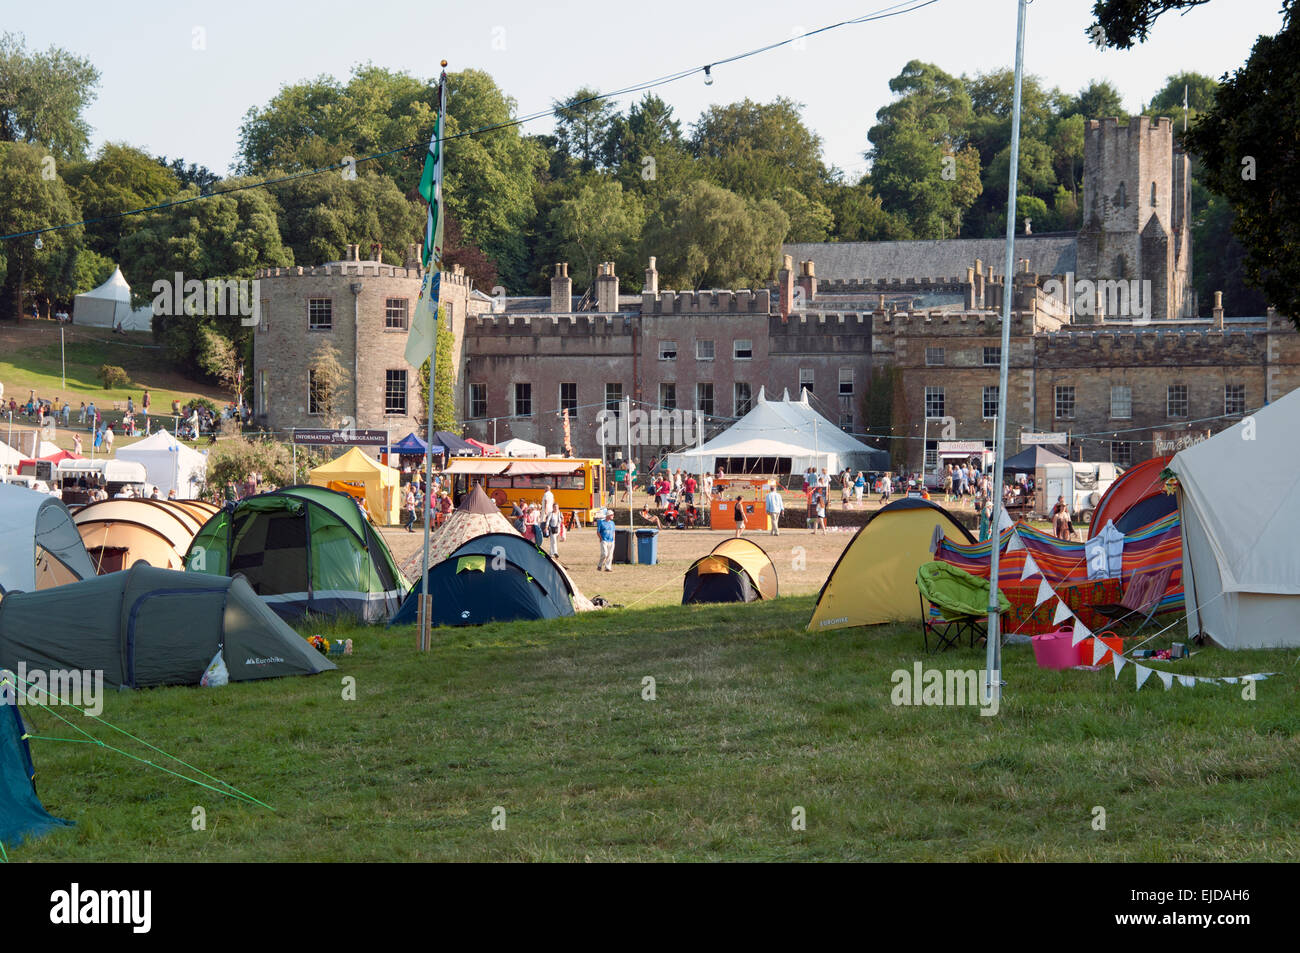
{"points": [[169, 464], [383, 501], [476, 516], [785, 436], [109, 306], [39, 544], [1241, 564]]}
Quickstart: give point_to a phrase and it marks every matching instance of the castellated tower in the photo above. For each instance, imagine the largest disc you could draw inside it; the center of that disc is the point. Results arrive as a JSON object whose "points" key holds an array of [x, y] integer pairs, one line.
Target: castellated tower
{"points": [[1136, 221]]}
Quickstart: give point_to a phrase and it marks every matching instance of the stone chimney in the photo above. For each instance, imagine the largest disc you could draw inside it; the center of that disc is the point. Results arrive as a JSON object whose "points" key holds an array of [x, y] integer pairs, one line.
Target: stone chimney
{"points": [[808, 281], [376, 251], [606, 288], [785, 287], [651, 279], [561, 289], [1218, 309], [353, 253], [412, 255]]}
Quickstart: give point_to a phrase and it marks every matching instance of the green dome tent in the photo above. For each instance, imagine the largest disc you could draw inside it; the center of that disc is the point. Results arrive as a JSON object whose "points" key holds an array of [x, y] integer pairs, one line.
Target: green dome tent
{"points": [[146, 627], [303, 549], [21, 813]]}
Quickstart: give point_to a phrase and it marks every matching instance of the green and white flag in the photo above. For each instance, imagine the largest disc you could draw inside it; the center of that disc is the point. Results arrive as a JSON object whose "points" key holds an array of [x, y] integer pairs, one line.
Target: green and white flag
{"points": [[424, 321]]}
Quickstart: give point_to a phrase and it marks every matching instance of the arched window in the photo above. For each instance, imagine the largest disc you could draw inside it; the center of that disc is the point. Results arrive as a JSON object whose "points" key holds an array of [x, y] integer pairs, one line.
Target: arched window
{"points": [[1121, 196], [1153, 195]]}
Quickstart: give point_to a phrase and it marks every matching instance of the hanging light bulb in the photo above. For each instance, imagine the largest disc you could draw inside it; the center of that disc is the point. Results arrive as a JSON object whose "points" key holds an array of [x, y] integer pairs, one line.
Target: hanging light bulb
{"points": [[38, 243], [708, 76]]}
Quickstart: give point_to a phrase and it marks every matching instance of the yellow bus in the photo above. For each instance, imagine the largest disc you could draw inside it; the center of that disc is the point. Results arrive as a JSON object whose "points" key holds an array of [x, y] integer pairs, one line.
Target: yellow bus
{"points": [[578, 483]]}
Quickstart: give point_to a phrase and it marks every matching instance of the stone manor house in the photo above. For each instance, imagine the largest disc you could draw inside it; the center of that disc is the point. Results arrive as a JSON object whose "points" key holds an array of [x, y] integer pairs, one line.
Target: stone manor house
{"points": [[1106, 342]]}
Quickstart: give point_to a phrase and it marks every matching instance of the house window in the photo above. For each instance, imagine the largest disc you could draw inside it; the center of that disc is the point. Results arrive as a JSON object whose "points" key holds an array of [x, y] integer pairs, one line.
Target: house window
{"points": [[846, 422], [934, 402], [1121, 402], [395, 393], [805, 379], [934, 356], [1121, 453], [523, 400], [704, 398], [261, 392], [846, 382], [990, 401], [1234, 398], [1177, 400], [993, 357], [320, 314], [667, 350], [315, 395], [395, 314], [1065, 402], [741, 398], [743, 350], [613, 397], [569, 397], [704, 350], [668, 396], [1153, 195], [478, 400], [264, 315], [931, 454]]}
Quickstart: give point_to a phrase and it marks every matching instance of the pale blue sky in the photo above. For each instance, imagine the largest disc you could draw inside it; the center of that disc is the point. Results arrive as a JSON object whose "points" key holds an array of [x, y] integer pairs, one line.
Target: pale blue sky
{"points": [[161, 94]]}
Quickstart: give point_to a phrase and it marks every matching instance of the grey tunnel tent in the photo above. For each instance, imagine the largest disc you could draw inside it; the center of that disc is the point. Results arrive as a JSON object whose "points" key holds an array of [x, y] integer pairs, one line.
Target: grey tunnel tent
{"points": [[146, 627], [40, 546]]}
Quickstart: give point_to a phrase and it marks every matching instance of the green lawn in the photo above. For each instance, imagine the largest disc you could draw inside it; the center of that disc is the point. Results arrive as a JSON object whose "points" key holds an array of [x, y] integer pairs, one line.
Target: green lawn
{"points": [[753, 718]]}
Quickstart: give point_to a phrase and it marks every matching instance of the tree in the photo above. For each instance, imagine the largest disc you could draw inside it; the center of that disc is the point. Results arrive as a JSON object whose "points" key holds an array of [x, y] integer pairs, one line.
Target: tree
{"points": [[119, 179], [860, 217], [600, 223], [584, 124], [42, 97], [756, 149], [1098, 100], [810, 220], [1122, 23], [233, 459], [648, 154], [444, 398], [1246, 143], [220, 358], [29, 200], [192, 174], [922, 165], [706, 236], [320, 215], [328, 380]]}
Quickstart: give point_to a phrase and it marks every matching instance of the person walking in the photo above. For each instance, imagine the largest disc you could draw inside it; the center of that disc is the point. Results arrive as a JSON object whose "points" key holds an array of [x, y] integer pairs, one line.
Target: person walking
{"points": [[554, 526], [859, 488], [605, 533], [821, 514], [108, 438], [738, 514], [1061, 524], [775, 507], [412, 505], [886, 484]]}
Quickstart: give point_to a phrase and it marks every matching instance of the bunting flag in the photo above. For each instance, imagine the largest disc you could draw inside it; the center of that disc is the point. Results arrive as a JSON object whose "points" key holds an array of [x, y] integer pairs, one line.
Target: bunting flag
{"points": [[1119, 662], [1143, 673], [1187, 681], [1081, 631], [1045, 592], [422, 337], [1062, 613], [1015, 542], [1099, 648], [1166, 677], [1005, 521], [1031, 568]]}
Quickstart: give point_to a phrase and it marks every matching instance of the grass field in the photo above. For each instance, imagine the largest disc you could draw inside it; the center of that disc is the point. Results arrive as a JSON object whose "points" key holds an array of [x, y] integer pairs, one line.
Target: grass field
{"points": [[753, 717]]}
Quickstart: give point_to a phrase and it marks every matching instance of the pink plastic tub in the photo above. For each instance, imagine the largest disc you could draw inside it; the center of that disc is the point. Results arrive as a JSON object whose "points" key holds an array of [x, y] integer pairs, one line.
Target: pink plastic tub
{"points": [[1056, 649]]}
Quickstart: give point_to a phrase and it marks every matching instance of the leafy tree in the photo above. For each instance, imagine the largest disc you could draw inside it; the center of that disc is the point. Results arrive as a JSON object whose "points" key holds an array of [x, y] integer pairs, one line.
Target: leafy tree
{"points": [[1122, 23], [1098, 100], [329, 379], [926, 124], [192, 174], [320, 215], [42, 97], [756, 149], [1246, 143], [810, 220], [600, 223], [90, 271], [234, 458], [220, 358], [444, 397], [584, 128], [30, 200], [647, 152], [1219, 262], [119, 179], [706, 236], [860, 217]]}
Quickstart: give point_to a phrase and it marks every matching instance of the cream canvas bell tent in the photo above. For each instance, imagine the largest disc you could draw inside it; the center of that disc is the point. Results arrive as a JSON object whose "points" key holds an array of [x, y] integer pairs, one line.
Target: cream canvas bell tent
{"points": [[1241, 562]]}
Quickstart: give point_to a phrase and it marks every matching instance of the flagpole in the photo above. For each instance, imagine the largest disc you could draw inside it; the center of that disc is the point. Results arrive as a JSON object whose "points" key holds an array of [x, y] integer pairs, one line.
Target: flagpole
{"points": [[432, 278], [993, 641]]}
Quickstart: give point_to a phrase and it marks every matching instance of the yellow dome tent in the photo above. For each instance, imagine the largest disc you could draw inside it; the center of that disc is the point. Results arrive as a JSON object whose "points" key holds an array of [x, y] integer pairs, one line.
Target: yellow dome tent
{"points": [[875, 578], [381, 484]]}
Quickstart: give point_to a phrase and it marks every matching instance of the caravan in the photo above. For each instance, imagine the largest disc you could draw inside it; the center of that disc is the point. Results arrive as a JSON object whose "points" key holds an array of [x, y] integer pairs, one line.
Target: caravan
{"points": [[1082, 484]]}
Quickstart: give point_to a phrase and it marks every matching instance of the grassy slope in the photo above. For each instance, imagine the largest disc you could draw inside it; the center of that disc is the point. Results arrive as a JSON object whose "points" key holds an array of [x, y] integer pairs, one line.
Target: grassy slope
{"points": [[753, 717]]}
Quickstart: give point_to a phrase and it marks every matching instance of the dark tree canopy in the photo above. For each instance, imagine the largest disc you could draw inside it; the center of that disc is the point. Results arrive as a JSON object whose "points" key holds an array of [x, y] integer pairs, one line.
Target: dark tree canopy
{"points": [[1122, 24]]}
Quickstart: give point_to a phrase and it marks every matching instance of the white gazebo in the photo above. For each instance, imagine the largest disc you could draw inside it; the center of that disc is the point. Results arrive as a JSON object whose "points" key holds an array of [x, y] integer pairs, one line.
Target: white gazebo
{"points": [[109, 306]]}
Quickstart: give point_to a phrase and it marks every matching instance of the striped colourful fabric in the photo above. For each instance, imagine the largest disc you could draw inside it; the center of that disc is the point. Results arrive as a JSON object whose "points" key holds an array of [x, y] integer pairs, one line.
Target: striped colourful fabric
{"points": [[1064, 566]]}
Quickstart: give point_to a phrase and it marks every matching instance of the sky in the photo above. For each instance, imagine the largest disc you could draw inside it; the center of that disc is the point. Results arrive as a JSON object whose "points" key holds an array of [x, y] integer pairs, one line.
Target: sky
{"points": [[177, 77]]}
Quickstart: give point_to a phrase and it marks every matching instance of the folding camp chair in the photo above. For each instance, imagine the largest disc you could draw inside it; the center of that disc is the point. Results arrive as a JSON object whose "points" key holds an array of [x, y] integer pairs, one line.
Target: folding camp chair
{"points": [[948, 632], [1140, 601]]}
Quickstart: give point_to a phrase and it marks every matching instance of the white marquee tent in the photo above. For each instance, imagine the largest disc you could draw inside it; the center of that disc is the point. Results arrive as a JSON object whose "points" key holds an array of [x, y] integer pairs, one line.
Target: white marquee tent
{"points": [[170, 465], [109, 306], [775, 431], [518, 447], [1241, 564]]}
